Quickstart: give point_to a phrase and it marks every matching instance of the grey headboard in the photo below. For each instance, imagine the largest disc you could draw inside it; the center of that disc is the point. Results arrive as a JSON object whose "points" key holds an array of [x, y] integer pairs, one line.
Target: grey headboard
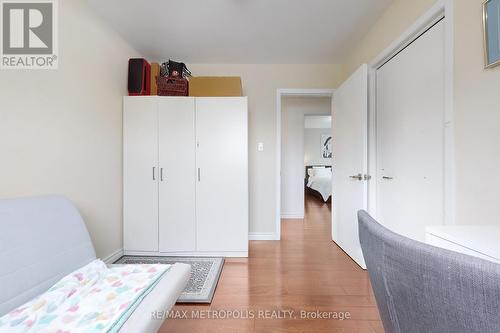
{"points": [[42, 239]]}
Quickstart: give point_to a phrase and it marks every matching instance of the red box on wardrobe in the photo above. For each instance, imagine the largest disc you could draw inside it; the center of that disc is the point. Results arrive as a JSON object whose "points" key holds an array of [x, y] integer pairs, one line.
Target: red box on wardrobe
{"points": [[139, 77]]}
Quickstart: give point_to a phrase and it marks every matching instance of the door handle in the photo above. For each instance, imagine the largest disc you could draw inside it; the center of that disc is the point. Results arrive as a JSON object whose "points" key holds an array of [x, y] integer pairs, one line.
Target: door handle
{"points": [[199, 175], [154, 178], [161, 174], [387, 178], [358, 176]]}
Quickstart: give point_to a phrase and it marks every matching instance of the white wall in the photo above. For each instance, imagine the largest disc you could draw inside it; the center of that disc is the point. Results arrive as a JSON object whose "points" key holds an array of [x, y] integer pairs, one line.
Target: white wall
{"points": [[477, 121], [392, 23], [61, 130], [312, 146], [292, 149], [260, 83]]}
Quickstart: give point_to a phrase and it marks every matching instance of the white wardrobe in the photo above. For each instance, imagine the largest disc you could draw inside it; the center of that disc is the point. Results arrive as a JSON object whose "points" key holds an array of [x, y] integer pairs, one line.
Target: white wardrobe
{"points": [[185, 176]]}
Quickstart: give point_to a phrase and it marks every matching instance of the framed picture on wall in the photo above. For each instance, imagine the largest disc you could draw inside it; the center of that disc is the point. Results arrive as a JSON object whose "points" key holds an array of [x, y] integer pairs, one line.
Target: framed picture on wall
{"points": [[326, 146], [491, 27]]}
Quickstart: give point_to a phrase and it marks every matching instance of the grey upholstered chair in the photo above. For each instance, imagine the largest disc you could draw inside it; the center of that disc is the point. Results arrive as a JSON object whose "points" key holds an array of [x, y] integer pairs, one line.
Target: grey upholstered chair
{"points": [[424, 289]]}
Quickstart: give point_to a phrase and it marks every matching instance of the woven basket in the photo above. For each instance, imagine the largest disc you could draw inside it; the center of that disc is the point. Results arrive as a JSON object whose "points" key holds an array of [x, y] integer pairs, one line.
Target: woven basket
{"points": [[172, 86]]}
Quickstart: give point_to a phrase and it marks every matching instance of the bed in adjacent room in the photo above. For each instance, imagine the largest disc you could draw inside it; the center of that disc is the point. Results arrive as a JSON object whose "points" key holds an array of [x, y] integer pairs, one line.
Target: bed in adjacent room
{"points": [[319, 181]]}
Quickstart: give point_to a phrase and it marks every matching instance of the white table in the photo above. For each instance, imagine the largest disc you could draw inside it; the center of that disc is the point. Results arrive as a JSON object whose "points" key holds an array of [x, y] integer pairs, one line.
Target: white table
{"points": [[481, 241]]}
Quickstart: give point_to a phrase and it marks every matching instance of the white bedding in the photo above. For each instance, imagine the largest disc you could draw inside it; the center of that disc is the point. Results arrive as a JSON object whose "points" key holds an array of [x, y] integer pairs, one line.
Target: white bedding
{"points": [[94, 298], [321, 184], [162, 298], [97, 298]]}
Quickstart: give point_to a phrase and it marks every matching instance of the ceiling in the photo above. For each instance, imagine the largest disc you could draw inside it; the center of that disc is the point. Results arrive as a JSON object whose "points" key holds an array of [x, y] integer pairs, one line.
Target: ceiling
{"points": [[242, 31]]}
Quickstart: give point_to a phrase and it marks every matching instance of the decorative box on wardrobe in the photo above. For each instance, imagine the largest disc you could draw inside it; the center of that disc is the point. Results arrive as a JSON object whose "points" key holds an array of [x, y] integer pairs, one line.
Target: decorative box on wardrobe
{"points": [[185, 176]]}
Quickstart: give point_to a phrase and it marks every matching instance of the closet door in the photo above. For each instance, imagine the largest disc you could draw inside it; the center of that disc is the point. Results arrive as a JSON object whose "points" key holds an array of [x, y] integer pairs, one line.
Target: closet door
{"points": [[140, 174], [177, 176], [222, 180], [410, 136]]}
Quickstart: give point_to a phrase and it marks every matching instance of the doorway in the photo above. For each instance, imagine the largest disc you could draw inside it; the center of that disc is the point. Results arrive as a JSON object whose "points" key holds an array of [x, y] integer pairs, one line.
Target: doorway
{"points": [[292, 106], [318, 153]]}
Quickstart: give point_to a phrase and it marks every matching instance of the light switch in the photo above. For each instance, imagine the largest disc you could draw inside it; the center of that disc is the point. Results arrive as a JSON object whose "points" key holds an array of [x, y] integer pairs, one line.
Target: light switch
{"points": [[260, 146]]}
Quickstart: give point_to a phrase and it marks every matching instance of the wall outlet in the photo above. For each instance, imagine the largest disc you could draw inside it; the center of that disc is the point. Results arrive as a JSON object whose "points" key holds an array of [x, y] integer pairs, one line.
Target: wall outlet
{"points": [[260, 146]]}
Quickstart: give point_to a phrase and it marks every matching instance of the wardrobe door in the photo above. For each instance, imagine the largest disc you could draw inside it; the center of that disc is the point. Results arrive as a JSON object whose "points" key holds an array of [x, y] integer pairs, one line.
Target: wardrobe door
{"points": [[177, 174], [222, 179], [140, 174]]}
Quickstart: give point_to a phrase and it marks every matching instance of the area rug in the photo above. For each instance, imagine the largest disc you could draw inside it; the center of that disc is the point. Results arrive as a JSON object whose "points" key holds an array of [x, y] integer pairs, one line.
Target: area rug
{"points": [[205, 273]]}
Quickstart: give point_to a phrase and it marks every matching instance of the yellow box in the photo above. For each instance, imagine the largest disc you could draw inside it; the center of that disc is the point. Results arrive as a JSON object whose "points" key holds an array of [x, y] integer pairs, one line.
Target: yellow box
{"points": [[215, 86], [155, 72]]}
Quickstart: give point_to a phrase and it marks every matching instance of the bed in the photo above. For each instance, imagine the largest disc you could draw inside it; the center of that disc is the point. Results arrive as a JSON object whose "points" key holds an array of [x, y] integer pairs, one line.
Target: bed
{"points": [[318, 181], [44, 239]]}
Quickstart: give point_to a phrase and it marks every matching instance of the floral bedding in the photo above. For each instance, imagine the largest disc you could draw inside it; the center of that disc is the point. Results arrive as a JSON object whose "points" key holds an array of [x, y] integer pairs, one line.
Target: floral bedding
{"points": [[92, 299]]}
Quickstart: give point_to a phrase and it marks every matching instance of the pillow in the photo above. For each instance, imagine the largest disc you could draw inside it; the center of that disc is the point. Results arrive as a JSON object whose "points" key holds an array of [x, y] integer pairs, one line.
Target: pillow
{"points": [[324, 172], [311, 171]]}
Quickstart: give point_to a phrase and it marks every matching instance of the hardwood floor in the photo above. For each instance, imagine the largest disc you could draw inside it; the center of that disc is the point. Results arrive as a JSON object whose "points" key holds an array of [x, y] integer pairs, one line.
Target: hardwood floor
{"points": [[305, 271]]}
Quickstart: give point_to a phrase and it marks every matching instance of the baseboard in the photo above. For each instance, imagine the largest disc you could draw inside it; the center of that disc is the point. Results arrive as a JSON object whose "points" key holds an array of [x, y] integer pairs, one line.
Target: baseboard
{"points": [[262, 236], [292, 215], [113, 256]]}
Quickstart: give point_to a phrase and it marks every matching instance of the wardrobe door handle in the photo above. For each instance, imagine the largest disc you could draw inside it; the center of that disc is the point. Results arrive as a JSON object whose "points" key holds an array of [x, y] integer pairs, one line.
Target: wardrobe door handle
{"points": [[199, 175], [161, 174], [154, 178]]}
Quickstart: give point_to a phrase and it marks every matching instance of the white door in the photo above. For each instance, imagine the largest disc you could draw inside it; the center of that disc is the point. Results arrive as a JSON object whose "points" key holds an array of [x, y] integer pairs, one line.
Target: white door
{"points": [[140, 174], [177, 174], [222, 185], [410, 136], [350, 141]]}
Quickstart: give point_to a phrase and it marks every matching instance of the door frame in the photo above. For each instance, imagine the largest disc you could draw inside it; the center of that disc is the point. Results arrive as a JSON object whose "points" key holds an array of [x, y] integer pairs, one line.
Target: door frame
{"points": [[442, 9], [280, 93]]}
